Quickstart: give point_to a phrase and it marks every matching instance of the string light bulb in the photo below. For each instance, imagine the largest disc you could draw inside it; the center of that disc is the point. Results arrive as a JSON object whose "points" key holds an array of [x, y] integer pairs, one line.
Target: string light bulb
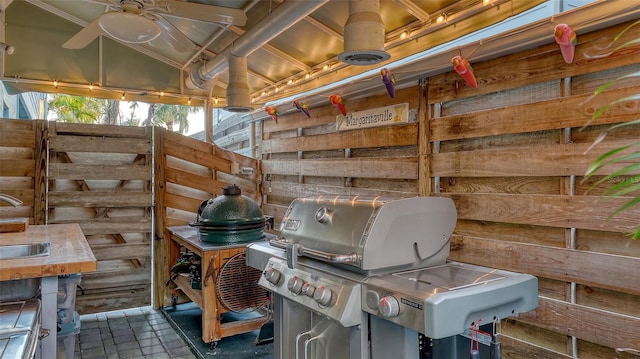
{"points": [[404, 35], [189, 101], [161, 93], [123, 95], [55, 83], [216, 100], [442, 18], [306, 77], [90, 87], [289, 82]]}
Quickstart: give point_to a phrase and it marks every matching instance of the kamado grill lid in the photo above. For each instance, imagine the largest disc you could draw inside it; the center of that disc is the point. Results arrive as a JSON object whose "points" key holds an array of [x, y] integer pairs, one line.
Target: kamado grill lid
{"points": [[230, 218]]}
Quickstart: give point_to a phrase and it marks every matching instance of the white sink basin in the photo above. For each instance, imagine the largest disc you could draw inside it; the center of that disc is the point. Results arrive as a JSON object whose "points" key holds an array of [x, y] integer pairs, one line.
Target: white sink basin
{"points": [[13, 251]]}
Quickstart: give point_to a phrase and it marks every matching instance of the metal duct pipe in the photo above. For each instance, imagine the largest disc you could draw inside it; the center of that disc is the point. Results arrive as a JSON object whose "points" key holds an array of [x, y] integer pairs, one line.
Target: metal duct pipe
{"points": [[282, 18], [364, 34], [238, 96]]}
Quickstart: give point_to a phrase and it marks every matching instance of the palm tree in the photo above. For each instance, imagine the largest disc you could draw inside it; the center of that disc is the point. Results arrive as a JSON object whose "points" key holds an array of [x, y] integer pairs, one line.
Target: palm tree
{"points": [[77, 109], [167, 115]]}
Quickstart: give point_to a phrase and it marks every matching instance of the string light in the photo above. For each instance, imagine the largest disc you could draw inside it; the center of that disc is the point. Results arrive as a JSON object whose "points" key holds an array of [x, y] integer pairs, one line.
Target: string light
{"points": [[161, 93], [306, 77], [90, 87], [55, 83], [189, 101], [326, 67], [442, 18], [404, 35], [123, 95], [289, 82], [216, 100]]}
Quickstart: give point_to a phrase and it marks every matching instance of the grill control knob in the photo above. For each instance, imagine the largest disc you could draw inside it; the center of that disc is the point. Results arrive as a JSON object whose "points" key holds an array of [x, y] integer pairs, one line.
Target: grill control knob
{"points": [[295, 285], [272, 275], [323, 296], [308, 290], [389, 306]]}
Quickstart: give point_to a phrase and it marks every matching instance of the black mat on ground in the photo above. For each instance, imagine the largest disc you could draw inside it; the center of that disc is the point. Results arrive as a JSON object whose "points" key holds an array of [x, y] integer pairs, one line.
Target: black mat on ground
{"points": [[187, 318]]}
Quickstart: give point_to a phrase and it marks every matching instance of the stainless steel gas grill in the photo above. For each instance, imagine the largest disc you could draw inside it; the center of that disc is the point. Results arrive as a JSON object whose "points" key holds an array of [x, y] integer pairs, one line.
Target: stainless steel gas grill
{"points": [[371, 276]]}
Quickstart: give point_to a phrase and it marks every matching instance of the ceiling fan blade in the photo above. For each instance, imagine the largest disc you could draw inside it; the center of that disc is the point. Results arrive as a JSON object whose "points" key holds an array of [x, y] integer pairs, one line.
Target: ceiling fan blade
{"points": [[174, 37], [202, 12], [85, 36]]}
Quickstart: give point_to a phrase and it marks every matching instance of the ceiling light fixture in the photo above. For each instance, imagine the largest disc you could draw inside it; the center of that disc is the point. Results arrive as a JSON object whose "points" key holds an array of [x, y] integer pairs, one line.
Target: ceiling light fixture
{"points": [[364, 34], [129, 27]]}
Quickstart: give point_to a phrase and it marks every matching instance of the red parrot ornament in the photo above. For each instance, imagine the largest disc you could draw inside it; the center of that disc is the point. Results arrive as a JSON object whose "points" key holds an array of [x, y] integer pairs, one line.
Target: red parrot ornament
{"points": [[566, 38], [272, 112], [464, 69], [389, 81], [302, 107], [336, 100]]}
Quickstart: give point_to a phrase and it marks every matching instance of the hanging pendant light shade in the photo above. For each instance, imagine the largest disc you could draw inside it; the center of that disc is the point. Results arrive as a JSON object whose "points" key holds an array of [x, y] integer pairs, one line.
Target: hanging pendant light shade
{"points": [[364, 34]]}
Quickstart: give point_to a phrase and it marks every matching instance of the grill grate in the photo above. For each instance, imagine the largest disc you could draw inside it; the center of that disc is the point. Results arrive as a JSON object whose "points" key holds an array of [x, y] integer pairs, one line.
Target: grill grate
{"points": [[237, 286]]}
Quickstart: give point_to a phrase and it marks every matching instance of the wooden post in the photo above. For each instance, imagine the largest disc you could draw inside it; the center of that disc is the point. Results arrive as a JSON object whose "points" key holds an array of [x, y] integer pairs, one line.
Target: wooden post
{"points": [[161, 265], [40, 173]]}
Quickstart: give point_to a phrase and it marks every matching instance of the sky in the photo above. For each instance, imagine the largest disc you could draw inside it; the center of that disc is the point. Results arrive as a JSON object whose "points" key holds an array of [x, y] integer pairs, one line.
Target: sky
{"points": [[196, 120]]}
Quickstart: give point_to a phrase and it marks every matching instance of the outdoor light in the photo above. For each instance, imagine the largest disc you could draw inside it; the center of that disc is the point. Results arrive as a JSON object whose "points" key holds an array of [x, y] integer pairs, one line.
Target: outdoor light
{"points": [[130, 28], [6, 48], [55, 83]]}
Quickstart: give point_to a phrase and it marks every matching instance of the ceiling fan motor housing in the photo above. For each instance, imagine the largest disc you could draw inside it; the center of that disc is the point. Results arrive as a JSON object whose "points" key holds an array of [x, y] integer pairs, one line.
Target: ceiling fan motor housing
{"points": [[364, 34]]}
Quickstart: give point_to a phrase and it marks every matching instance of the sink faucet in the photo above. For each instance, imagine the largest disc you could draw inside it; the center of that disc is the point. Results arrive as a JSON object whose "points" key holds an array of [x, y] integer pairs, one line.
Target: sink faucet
{"points": [[11, 200]]}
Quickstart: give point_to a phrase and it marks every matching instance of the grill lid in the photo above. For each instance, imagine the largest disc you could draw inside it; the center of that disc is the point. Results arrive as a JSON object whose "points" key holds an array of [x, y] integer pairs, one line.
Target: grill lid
{"points": [[230, 218], [372, 234]]}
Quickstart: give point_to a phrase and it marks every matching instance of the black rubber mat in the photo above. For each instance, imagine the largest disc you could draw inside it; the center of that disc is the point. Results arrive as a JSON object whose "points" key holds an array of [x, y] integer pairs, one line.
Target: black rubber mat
{"points": [[187, 318]]}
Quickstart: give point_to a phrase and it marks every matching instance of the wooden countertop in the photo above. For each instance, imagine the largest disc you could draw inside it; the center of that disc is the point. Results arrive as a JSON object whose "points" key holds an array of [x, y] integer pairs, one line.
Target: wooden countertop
{"points": [[70, 252]]}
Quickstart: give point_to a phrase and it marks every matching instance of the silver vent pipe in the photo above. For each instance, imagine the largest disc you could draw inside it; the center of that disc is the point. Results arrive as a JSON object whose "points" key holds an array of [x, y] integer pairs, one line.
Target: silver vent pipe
{"points": [[364, 34], [272, 25], [238, 95]]}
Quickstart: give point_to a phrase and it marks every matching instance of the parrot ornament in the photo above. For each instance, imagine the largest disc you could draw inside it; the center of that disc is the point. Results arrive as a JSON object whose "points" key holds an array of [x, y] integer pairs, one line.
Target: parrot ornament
{"points": [[302, 107], [566, 38], [389, 81], [464, 69], [336, 100], [272, 112]]}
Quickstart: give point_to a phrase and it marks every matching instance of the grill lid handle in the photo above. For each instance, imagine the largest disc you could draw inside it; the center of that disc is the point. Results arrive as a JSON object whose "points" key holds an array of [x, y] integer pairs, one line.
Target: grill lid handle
{"points": [[298, 250]]}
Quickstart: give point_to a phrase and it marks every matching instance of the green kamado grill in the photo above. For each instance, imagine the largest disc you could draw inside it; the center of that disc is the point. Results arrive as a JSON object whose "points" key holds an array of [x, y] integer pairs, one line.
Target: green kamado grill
{"points": [[230, 218]]}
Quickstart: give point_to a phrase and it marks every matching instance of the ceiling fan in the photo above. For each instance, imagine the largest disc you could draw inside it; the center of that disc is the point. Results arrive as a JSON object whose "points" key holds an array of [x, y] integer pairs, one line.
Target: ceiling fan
{"points": [[141, 21]]}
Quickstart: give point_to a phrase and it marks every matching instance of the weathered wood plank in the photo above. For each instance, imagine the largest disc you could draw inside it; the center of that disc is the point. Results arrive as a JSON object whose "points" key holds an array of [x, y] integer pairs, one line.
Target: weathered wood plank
{"points": [[405, 168], [99, 144], [100, 130], [547, 160], [293, 190], [569, 265], [399, 135], [515, 348], [594, 325], [187, 179], [193, 155], [17, 138], [586, 212], [121, 251], [17, 168], [539, 116], [114, 225], [99, 199], [99, 171]]}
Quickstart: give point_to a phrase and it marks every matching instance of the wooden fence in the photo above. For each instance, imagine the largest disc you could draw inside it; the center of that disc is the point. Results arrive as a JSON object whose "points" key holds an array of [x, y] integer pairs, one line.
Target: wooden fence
{"points": [[511, 154], [100, 177], [187, 172]]}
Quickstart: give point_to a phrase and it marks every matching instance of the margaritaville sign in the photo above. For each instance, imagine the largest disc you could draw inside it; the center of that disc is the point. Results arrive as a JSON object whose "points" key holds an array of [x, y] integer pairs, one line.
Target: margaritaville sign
{"points": [[382, 116]]}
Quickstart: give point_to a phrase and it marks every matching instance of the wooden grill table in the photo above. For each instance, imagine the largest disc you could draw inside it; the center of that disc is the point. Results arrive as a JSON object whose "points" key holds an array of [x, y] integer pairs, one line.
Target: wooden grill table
{"points": [[70, 253], [212, 259]]}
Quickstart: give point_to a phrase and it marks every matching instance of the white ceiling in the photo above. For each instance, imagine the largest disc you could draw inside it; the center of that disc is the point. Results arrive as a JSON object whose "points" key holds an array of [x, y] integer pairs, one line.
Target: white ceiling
{"points": [[291, 46]]}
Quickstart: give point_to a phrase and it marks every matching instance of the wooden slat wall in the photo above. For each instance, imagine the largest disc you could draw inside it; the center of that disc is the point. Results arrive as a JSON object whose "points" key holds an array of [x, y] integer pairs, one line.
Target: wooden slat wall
{"points": [[511, 154], [306, 156], [188, 172], [100, 176], [23, 165]]}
